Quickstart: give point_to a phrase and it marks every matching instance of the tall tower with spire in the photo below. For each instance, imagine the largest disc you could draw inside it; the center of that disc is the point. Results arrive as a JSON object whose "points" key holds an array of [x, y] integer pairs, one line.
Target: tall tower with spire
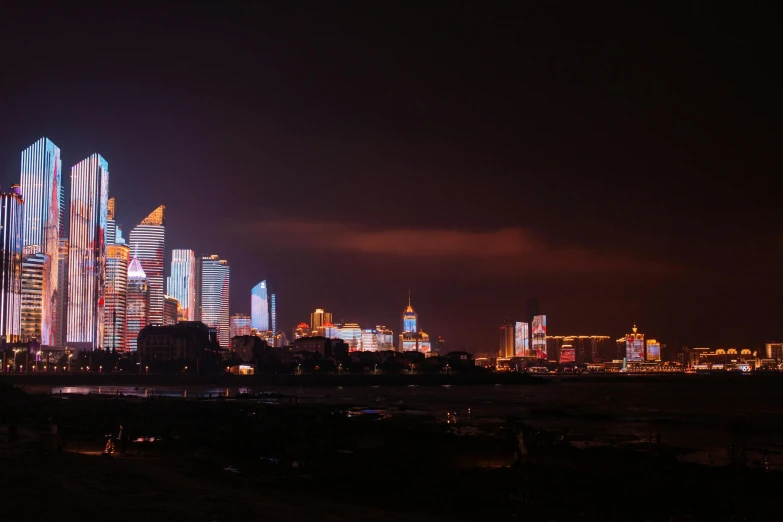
{"points": [[411, 336]]}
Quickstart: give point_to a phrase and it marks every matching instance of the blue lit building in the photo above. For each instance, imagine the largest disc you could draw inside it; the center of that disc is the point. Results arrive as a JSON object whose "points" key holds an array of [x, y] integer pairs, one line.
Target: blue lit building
{"points": [[259, 307]]}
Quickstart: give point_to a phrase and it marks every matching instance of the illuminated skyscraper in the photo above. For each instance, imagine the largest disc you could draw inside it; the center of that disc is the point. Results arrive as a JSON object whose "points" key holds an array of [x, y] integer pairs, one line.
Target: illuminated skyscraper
{"points": [[273, 312], [318, 318], [521, 339], [33, 266], [329, 330], [412, 339], [87, 256], [11, 239], [111, 224], [61, 322], [507, 339], [148, 244], [634, 346], [240, 325], [181, 283], [41, 185], [116, 292], [653, 350], [302, 330], [259, 307], [138, 302], [369, 341], [214, 295], [539, 337]]}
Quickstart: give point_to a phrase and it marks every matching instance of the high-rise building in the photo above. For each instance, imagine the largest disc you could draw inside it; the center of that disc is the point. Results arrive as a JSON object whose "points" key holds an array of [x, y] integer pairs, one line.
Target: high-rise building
{"points": [[328, 330], [33, 266], [214, 295], [273, 312], [11, 240], [634, 346], [115, 316], [539, 337], [181, 284], [774, 351], [352, 335], [369, 340], [240, 325], [259, 307], [61, 322], [41, 186], [653, 350], [521, 339], [507, 339], [111, 224], [138, 303], [148, 244], [171, 310], [385, 338], [87, 256], [412, 338], [318, 318]]}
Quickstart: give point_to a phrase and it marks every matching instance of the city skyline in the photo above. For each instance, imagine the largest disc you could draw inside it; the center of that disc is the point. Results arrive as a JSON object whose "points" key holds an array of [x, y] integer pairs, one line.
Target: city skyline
{"points": [[635, 179]]}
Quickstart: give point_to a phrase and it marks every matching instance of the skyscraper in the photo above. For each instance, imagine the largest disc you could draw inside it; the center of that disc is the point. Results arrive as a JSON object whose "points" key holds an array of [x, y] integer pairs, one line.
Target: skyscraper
{"points": [[11, 239], [412, 338], [138, 302], [61, 322], [148, 244], [634, 346], [181, 284], [273, 313], [111, 224], [33, 266], [318, 318], [87, 256], [214, 295], [259, 307], [41, 186], [116, 296], [507, 339]]}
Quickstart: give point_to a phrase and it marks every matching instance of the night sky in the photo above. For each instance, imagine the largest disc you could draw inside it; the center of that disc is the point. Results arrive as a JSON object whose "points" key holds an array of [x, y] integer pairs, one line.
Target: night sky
{"points": [[620, 166]]}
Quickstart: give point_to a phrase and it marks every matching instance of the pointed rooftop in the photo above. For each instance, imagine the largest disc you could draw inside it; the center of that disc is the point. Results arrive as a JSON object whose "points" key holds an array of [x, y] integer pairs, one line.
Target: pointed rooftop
{"points": [[135, 271], [156, 218]]}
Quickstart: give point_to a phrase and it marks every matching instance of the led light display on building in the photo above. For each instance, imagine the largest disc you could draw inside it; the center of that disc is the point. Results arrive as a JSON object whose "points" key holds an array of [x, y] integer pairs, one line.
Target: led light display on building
{"points": [[521, 340], [259, 307], [41, 188], [539, 337], [567, 354], [87, 256], [181, 284], [215, 283], [117, 258], [148, 244], [634, 346]]}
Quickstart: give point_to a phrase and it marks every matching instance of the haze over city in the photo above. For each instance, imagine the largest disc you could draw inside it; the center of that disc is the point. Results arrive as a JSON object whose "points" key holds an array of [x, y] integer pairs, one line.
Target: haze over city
{"points": [[479, 156]]}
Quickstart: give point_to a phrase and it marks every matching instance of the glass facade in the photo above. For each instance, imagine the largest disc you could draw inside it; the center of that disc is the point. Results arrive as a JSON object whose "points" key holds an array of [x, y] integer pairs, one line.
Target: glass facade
{"points": [[116, 292], [87, 252], [33, 266], [61, 322], [138, 304], [11, 215], [148, 244], [215, 282], [352, 335], [259, 307], [181, 284], [41, 186]]}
